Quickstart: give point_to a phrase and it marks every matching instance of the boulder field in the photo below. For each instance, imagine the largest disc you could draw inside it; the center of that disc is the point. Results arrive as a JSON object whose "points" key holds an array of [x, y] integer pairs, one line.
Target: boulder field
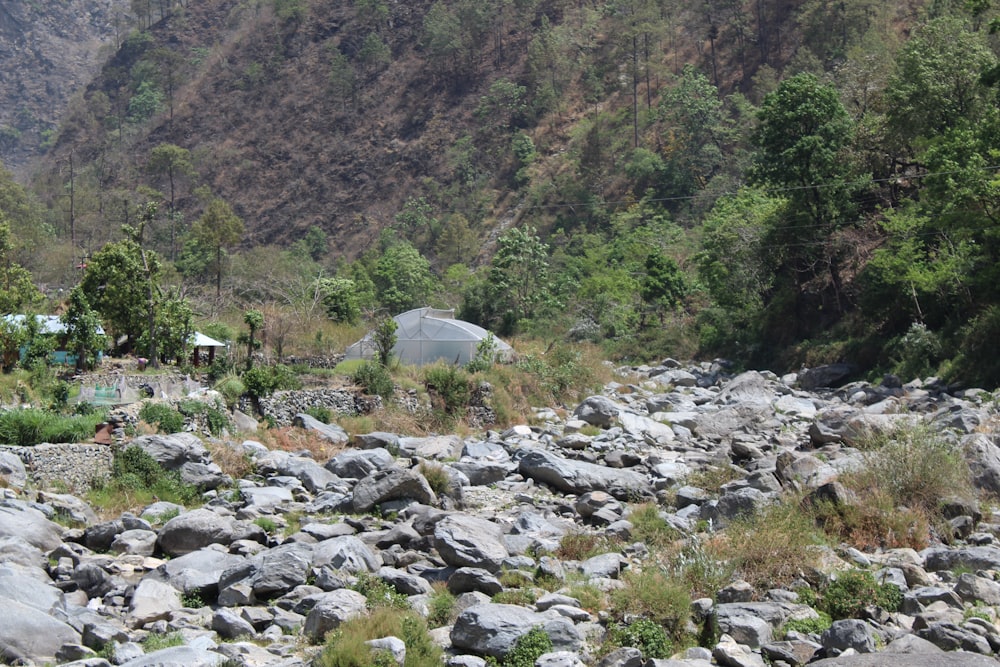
{"points": [[264, 567]]}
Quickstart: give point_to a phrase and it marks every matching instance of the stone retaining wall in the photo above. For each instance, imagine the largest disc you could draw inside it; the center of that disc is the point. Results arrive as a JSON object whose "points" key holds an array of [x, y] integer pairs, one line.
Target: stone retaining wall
{"points": [[74, 466], [283, 405]]}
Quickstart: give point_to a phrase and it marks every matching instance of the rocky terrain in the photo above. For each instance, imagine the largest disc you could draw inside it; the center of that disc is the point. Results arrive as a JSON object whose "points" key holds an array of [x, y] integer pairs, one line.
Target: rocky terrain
{"points": [[271, 563], [48, 52]]}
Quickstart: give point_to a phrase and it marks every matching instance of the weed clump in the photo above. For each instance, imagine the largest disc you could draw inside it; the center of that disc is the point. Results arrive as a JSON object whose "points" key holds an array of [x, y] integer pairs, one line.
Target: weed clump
{"points": [[345, 646], [528, 648], [136, 479], [852, 591]]}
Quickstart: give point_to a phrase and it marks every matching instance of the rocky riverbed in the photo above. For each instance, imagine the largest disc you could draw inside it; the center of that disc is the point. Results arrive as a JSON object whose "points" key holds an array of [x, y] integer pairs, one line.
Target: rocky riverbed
{"points": [[269, 564]]}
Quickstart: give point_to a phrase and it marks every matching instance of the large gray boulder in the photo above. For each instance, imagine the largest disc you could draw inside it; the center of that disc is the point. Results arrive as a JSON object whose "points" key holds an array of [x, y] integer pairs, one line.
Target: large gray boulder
{"points": [[30, 636], [359, 463], [346, 553], [27, 524], [153, 601], [197, 572], [983, 457], [468, 541], [313, 476], [177, 656], [194, 530], [15, 585], [972, 558], [330, 432], [493, 629], [12, 470], [392, 484], [267, 575], [173, 451], [597, 411], [579, 477], [435, 447], [332, 609]]}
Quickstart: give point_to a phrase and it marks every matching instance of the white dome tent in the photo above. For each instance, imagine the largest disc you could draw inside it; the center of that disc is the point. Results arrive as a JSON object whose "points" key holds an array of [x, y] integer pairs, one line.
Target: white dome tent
{"points": [[426, 335]]}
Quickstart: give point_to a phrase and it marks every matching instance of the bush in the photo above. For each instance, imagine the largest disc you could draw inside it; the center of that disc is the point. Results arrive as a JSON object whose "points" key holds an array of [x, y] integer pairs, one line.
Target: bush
{"points": [[231, 387], [653, 595], [378, 593], [259, 382], [320, 413], [651, 528], [136, 479], [375, 379], [528, 648], [345, 646], [450, 385], [216, 420], [441, 607], [852, 591], [808, 625], [643, 634], [436, 476], [162, 416]]}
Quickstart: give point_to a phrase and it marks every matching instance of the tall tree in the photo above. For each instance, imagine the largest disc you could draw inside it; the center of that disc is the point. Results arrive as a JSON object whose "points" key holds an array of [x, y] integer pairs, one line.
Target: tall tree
{"points": [[217, 229], [173, 163], [82, 322]]}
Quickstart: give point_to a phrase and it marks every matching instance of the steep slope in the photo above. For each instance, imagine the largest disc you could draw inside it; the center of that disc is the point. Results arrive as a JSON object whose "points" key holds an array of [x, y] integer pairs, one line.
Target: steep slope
{"points": [[48, 51]]}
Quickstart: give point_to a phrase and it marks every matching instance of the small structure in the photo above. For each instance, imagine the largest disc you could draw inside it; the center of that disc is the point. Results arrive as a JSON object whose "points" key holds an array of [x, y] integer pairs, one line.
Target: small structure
{"points": [[52, 325], [426, 335], [201, 341]]}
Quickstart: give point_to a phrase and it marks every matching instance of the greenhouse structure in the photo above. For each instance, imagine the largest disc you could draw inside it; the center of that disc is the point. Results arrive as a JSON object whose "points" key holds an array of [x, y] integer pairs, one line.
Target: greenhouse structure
{"points": [[427, 335]]}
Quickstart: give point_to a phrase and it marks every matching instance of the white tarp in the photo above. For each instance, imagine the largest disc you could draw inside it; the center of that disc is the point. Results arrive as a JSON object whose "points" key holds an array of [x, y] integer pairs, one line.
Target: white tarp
{"points": [[426, 335]]}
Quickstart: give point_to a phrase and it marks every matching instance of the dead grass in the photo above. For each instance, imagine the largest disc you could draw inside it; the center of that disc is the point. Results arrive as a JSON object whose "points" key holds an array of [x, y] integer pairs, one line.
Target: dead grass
{"points": [[234, 462], [291, 439]]}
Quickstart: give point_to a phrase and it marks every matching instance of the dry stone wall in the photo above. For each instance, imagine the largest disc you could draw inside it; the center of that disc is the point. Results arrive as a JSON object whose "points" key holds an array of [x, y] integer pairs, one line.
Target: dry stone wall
{"points": [[73, 466]]}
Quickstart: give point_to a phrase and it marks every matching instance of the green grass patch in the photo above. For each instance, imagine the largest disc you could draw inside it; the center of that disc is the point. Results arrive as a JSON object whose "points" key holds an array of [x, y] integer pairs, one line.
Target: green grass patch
{"points": [[33, 426], [161, 415], [345, 646], [138, 480], [156, 641]]}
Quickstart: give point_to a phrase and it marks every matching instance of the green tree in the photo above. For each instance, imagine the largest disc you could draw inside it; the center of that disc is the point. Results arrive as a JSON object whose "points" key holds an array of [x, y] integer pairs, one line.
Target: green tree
{"points": [[374, 54], [343, 81], [115, 284], [17, 291], [663, 285], [254, 319], [216, 229], [173, 163], [402, 278], [340, 299], [518, 281], [174, 327], [384, 339], [82, 323], [802, 149]]}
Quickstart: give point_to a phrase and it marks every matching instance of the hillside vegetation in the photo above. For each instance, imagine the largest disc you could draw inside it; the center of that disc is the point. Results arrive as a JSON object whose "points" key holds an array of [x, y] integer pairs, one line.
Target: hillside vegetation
{"points": [[783, 183]]}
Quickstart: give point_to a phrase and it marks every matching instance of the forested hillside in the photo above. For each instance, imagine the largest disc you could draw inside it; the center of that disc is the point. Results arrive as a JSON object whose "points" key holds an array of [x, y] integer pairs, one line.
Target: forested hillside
{"points": [[780, 182]]}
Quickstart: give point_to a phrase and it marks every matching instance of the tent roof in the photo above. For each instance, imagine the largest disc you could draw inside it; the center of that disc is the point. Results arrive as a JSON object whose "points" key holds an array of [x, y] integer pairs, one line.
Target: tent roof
{"points": [[439, 325], [201, 340], [47, 324]]}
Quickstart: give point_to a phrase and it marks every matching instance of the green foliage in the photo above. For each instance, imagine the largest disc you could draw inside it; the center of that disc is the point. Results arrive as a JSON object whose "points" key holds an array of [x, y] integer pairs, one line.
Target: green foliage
{"points": [[268, 524], [216, 419], [136, 479], [320, 413], [231, 387], [261, 381], [919, 351], [402, 278], [164, 417], [528, 648], [379, 593], [652, 594], [192, 601], [374, 378], [643, 634], [156, 641], [441, 608], [649, 527], [449, 386], [384, 339], [487, 354], [345, 646], [852, 591], [436, 476], [340, 299], [809, 625], [32, 426]]}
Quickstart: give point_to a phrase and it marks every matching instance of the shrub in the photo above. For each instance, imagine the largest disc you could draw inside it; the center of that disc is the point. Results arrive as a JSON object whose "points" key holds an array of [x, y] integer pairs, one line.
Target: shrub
{"points": [[261, 381], [266, 523], [216, 420], [643, 634], [231, 387], [345, 646], [852, 591], [653, 595], [378, 593], [320, 413], [441, 607], [436, 476], [651, 528], [808, 625], [155, 641], [162, 416], [450, 385], [528, 648], [582, 545], [136, 479], [772, 547], [374, 379]]}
